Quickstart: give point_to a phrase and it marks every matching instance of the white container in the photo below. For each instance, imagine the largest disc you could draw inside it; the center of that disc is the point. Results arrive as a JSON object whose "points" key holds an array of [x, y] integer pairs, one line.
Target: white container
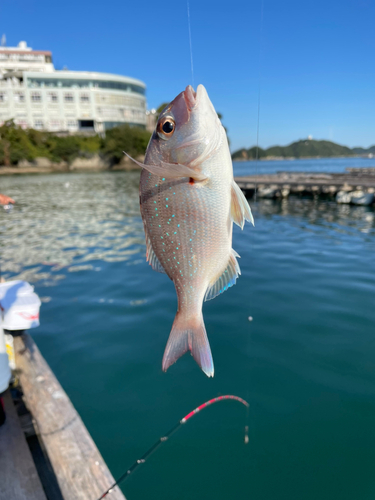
{"points": [[5, 373], [362, 198], [20, 305], [14, 288], [344, 197]]}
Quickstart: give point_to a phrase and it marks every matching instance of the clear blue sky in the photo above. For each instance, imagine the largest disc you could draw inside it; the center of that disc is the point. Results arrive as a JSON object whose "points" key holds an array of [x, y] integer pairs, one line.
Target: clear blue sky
{"points": [[316, 58]]}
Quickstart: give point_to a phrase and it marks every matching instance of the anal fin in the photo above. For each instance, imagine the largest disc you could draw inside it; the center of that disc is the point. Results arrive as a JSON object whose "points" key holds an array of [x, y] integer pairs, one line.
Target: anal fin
{"points": [[227, 279]]}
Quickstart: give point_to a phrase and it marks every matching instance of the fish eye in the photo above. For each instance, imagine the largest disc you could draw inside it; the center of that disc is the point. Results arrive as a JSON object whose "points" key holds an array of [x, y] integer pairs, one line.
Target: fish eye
{"points": [[166, 127]]}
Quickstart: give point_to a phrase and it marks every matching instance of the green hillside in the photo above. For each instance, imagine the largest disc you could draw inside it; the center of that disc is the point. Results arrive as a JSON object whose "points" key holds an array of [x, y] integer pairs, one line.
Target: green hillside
{"points": [[301, 149], [363, 151]]}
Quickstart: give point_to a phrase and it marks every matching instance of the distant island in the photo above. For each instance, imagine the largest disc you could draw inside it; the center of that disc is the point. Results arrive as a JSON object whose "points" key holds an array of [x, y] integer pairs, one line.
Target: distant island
{"points": [[305, 148]]}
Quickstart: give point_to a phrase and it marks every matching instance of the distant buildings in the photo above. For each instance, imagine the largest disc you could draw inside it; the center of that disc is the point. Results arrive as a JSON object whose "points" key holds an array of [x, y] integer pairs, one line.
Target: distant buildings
{"points": [[151, 116], [35, 95]]}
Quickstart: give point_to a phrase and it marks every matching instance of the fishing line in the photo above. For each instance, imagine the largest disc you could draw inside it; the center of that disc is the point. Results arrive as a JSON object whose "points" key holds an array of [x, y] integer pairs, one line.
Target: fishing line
{"points": [[259, 80], [166, 436], [191, 46]]}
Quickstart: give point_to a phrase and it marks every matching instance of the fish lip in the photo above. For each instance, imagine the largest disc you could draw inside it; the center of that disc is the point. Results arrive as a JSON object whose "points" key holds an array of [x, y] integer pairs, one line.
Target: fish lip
{"points": [[190, 97]]}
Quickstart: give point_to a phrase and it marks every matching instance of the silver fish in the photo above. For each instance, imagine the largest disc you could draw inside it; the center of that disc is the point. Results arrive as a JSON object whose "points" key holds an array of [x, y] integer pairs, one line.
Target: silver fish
{"points": [[189, 201]]}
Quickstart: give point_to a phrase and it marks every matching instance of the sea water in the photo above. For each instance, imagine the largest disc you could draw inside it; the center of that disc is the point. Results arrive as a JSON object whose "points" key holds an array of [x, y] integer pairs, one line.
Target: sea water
{"points": [[305, 363]]}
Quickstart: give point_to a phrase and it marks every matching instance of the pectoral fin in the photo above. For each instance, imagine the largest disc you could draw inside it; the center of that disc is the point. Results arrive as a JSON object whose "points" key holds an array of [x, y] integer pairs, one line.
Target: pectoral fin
{"points": [[240, 209], [170, 170]]}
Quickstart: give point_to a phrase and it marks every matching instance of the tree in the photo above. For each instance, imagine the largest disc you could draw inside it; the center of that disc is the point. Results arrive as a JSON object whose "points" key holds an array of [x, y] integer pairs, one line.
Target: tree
{"points": [[133, 140]]}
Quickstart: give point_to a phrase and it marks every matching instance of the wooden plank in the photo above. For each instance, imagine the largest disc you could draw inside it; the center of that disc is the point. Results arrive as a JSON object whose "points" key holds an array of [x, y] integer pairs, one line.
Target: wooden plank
{"points": [[19, 479], [80, 470]]}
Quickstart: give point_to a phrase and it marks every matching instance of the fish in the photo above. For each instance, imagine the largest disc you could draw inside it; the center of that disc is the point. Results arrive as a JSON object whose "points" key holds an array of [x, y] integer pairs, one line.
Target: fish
{"points": [[189, 201]]}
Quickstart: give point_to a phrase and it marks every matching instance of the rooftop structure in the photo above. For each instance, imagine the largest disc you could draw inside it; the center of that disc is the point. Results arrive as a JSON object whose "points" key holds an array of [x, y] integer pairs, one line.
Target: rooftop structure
{"points": [[35, 95]]}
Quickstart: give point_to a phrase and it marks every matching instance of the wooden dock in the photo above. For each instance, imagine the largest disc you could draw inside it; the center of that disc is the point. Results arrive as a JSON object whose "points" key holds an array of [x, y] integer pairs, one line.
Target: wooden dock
{"points": [[282, 184], [78, 467], [19, 478]]}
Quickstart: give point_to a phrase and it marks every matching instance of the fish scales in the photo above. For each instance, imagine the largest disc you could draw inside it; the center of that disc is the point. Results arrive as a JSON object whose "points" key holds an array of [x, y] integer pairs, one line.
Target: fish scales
{"points": [[189, 202], [190, 237]]}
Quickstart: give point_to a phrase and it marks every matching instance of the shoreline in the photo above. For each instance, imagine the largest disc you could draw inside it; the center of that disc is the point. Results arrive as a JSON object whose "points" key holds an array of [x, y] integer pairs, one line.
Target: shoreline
{"points": [[96, 164], [45, 166], [52, 170], [291, 158]]}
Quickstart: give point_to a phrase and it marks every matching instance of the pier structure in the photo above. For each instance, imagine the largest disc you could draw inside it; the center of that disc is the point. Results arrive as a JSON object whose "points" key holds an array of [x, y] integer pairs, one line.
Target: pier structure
{"points": [[353, 182]]}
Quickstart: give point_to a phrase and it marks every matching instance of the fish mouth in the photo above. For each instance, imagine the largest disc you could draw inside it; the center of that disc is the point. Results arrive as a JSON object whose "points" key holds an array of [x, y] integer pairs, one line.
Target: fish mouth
{"points": [[190, 97]]}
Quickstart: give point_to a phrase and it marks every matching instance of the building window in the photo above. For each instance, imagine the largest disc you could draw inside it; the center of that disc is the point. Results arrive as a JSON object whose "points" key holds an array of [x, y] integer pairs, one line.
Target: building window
{"points": [[85, 98], [68, 97], [3, 96], [22, 123], [72, 123], [38, 124], [53, 97], [81, 83], [19, 97], [36, 97], [54, 124]]}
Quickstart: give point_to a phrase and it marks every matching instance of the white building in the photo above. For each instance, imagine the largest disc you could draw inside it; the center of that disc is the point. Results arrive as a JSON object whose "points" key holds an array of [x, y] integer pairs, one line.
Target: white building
{"points": [[35, 95]]}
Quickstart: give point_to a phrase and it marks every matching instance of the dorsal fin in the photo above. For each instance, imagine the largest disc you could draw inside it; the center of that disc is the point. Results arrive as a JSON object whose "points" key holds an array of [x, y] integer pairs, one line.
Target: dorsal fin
{"points": [[227, 279]]}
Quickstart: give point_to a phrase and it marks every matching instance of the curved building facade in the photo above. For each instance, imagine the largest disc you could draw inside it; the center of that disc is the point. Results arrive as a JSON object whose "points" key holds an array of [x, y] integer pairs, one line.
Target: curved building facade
{"points": [[35, 95]]}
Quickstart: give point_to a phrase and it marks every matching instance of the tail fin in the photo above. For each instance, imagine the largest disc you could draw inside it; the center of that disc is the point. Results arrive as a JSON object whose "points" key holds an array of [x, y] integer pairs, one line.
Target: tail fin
{"points": [[189, 334]]}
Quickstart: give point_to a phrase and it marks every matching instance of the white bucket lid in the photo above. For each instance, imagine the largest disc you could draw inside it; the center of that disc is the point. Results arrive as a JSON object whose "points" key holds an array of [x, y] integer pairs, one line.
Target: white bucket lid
{"points": [[12, 291]]}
